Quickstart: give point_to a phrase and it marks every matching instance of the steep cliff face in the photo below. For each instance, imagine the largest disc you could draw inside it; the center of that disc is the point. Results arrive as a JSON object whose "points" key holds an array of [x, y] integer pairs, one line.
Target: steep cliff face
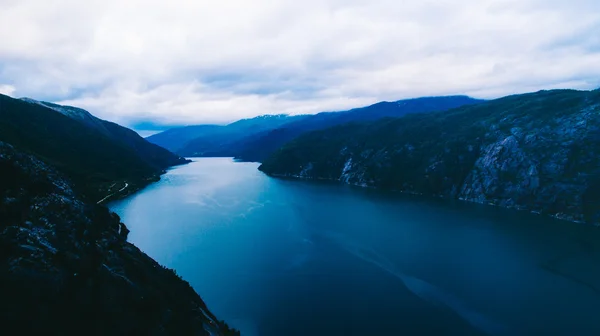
{"points": [[66, 267], [537, 152]]}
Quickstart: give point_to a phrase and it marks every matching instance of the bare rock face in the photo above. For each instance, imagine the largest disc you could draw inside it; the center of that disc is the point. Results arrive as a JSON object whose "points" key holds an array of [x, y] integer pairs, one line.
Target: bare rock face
{"points": [[503, 169], [546, 170], [66, 267]]}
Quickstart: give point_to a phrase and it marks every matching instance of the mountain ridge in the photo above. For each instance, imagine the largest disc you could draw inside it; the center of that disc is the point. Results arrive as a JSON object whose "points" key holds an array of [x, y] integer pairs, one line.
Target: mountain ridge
{"points": [[153, 153], [257, 142], [535, 152], [260, 147], [94, 153], [195, 140]]}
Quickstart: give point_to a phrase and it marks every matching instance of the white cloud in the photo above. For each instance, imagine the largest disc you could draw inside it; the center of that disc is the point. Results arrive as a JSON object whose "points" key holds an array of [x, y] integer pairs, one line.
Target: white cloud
{"points": [[205, 61], [8, 90]]}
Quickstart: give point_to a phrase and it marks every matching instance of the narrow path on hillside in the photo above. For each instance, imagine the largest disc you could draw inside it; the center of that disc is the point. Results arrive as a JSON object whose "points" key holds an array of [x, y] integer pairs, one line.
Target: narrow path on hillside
{"points": [[120, 190]]}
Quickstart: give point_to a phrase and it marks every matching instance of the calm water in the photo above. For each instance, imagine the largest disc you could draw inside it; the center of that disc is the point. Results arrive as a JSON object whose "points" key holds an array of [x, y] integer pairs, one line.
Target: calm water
{"points": [[275, 257]]}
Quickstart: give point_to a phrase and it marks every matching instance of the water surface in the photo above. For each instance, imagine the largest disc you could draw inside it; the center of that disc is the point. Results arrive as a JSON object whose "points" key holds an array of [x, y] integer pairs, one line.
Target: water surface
{"points": [[275, 257]]}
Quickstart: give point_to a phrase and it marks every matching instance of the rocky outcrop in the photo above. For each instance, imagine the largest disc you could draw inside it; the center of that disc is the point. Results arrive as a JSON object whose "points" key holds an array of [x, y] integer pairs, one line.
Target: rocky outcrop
{"points": [[538, 152], [66, 267]]}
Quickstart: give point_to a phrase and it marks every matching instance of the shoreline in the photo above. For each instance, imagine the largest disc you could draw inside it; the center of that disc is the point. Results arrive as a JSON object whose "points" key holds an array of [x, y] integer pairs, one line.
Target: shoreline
{"points": [[132, 187], [521, 208]]}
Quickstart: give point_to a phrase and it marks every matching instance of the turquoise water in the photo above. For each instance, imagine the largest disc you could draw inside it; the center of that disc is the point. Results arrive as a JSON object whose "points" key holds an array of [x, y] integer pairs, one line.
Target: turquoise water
{"points": [[276, 257]]}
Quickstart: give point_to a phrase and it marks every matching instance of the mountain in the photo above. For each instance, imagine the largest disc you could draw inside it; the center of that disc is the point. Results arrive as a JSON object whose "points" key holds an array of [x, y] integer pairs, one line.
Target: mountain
{"points": [[100, 157], [66, 267], [256, 143], [74, 113], [204, 140], [175, 138], [538, 152], [260, 147], [153, 154]]}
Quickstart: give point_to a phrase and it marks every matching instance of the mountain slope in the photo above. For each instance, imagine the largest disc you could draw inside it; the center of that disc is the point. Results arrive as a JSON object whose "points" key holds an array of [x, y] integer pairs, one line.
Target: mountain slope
{"points": [[175, 138], [93, 160], [259, 145], [203, 140], [538, 151], [74, 113], [151, 153], [66, 267], [225, 142]]}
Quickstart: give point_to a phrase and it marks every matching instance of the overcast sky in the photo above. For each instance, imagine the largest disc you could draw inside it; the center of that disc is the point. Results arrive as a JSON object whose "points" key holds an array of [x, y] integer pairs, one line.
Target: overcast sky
{"points": [[144, 62]]}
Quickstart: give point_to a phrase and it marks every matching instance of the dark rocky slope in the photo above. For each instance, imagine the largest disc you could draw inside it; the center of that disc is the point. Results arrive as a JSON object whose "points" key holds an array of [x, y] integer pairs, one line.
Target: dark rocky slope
{"points": [[99, 157], [153, 155], [538, 152], [66, 267]]}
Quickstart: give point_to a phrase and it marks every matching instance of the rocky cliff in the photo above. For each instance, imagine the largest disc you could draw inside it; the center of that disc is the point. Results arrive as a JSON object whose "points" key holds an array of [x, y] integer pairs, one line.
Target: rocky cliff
{"points": [[66, 267], [538, 152]]}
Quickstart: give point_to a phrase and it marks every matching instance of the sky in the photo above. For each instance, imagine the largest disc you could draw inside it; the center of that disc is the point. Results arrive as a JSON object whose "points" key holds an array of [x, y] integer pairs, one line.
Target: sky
{"points": [[150, 64]]}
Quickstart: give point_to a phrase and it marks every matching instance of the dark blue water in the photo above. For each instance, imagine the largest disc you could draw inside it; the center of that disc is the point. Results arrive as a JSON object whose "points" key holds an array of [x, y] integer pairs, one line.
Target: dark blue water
{"points": [[275, 257]]}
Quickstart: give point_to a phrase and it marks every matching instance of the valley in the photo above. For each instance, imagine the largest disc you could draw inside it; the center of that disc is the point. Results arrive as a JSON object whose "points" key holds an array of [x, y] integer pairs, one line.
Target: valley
{"points": [[262, 238], [300, 168]]}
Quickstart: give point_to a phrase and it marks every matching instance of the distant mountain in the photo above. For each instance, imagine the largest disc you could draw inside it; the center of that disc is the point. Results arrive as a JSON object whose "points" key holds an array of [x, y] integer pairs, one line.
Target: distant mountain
{"points": [[255, 143], [538, 151], [207, 140], [99, 156], [259, 147], [175, 138]]}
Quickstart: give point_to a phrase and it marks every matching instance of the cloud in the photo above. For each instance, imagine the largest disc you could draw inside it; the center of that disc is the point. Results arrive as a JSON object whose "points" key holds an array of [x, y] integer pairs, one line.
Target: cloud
{"points": [[7, 89], [185, 62]]}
